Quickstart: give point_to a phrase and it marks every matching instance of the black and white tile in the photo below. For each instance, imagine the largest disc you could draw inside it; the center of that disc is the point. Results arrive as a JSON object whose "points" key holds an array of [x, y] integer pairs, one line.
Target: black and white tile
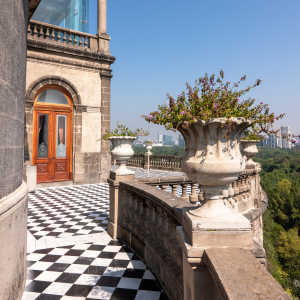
{"points": [[68, 211], [90, 271], [73, 257]]}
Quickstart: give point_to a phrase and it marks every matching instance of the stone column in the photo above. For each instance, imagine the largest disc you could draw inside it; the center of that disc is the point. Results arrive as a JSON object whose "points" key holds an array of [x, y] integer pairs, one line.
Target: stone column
{"points": [[105, 157], [114, 201], [102, 12], [13, 193]]}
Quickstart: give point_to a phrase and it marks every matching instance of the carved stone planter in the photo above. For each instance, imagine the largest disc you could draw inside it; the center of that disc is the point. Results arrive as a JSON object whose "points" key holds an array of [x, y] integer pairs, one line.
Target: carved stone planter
{"points": [[213, 159], [122, 151], [249, 149]]}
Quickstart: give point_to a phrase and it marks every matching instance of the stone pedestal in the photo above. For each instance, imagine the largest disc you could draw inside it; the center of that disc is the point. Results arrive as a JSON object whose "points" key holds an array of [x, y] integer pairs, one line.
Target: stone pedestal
{"points": [[31, 177], [113, 182], [199, 234]]}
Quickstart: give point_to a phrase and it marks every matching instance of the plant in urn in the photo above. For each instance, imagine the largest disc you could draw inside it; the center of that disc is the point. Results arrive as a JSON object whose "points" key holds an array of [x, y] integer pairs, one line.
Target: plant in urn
{"points": [[212, 116], [122, 139]]}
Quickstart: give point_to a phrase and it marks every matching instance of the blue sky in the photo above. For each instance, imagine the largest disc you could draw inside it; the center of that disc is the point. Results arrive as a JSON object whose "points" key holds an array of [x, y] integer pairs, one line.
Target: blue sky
{"points": [[160, 45]]}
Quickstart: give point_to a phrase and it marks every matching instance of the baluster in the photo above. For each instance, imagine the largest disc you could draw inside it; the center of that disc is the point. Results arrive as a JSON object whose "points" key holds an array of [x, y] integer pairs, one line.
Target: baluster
{"points": [[184, 191], [174, 189], [47, 34], [29, 31], [193, 196], [80, 40], [86, 42], [64, 37], [41, 32], [52, 34], [165, 187], [35, 30], [58, 36], [70, 38]]}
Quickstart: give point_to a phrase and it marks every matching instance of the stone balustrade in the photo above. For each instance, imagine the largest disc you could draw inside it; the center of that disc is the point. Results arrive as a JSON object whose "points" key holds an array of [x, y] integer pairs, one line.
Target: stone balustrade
{"points": [[71, 39], [148, 214], [163, 162], [137, 160]]}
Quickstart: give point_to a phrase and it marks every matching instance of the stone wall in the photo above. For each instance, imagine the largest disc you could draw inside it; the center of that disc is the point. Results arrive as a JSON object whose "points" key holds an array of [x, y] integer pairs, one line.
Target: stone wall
{"points": [[13, 193]]}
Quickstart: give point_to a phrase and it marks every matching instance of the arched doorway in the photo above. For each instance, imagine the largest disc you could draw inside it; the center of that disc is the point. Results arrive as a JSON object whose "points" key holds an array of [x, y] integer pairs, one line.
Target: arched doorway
{"points": [[52, 134]]}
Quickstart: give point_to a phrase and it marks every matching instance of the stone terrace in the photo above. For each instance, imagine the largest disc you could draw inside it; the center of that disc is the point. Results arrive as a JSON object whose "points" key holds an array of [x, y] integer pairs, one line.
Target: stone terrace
{"points": [[71, 256]]}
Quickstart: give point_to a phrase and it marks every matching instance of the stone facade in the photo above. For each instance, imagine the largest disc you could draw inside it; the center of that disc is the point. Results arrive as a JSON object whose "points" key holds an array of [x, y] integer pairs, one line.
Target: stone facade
{"points": [[83, 71]]}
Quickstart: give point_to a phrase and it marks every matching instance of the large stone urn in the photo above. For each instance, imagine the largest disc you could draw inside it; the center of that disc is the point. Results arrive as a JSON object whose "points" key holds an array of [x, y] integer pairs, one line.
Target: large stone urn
{"points": [[214, 160], [122, 151]]}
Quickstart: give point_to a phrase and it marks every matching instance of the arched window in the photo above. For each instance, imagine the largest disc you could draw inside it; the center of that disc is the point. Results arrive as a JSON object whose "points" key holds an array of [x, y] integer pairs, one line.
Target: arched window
{"points": [[52, 96]]}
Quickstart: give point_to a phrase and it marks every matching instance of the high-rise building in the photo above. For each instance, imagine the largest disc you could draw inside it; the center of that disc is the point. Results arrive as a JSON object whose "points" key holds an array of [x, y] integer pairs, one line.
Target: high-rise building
{"points": [[286, 134], [281, 139], [273, 141]]}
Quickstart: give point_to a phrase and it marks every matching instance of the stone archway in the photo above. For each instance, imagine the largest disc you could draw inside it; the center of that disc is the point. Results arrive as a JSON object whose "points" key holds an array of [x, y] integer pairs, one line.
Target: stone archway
{"points": [[52, 80]]}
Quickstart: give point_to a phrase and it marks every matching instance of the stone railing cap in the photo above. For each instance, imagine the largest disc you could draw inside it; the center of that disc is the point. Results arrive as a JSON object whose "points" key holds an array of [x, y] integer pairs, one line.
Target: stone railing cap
{"points": [[239, 275]]}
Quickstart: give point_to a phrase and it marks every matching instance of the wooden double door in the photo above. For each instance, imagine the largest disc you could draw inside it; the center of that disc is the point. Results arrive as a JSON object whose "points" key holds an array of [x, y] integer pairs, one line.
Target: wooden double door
{"points": [[52, 143]]}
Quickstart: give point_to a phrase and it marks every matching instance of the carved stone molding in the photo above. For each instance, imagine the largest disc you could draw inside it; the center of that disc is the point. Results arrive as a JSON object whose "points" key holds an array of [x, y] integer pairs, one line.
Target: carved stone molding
{"points": [[67, 50], [52, 80]]}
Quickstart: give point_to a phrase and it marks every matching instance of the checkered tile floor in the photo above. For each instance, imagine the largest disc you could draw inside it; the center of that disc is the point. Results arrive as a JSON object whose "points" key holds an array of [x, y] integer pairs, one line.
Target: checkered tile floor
{"points": [[89, 271], [68, 211], [100, 269]]}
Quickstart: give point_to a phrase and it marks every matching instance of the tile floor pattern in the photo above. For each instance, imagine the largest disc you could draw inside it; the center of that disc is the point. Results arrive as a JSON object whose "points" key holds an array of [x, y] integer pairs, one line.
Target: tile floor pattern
{"points": [[101, 269], [68, 211], [89, 271]]}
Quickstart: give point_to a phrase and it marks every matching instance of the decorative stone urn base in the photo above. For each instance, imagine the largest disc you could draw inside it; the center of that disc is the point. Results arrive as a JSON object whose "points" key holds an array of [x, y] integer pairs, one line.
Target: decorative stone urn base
{"points": [[214, 214]]}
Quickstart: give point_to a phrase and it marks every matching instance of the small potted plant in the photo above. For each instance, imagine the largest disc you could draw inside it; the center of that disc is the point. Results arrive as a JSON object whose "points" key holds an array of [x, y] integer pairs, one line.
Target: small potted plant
{"points": [[122, 139], [212, 116]]}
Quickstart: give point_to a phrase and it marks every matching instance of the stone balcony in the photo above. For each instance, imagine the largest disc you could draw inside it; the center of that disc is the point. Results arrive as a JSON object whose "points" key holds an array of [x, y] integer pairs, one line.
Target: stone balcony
{"points": [[44, 37]]}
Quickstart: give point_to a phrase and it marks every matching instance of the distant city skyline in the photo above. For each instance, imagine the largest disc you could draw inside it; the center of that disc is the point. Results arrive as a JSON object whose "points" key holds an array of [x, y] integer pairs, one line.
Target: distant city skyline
{"points": [[161, 45]]}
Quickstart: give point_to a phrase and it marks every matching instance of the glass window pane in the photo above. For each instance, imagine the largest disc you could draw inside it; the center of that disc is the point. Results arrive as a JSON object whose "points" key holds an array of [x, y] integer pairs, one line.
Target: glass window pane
{"points": [[79, 15], [43, 135], [52, 96], [61, 136]]}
